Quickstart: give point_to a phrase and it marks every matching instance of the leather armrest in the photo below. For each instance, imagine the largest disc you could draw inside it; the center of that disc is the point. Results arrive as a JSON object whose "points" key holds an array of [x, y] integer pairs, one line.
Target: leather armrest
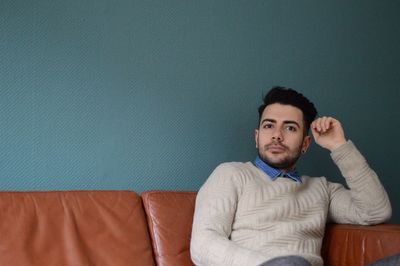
{"points": [[354, 245]]}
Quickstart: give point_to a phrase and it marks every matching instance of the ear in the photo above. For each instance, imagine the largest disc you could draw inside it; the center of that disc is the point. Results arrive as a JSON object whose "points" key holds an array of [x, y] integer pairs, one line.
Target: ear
{"points": [[306, 144], [256, 137]]}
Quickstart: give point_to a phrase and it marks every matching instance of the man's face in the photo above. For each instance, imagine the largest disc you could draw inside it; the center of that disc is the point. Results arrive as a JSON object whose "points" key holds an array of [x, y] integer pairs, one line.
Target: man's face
{"points": [[280, 138]]}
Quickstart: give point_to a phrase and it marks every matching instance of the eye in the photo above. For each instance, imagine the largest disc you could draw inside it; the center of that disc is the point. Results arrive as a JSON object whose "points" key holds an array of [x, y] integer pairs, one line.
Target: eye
{"points": [[291, 128], [268, 126]]}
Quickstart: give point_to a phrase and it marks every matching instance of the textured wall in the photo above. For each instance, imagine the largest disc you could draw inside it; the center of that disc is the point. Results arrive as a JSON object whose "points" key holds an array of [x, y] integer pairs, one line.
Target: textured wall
{"points": [[154, 94]]}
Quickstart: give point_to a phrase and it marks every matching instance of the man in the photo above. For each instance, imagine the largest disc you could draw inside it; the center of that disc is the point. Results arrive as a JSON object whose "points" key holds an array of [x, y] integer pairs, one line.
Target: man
{"points": [[265, 213]]}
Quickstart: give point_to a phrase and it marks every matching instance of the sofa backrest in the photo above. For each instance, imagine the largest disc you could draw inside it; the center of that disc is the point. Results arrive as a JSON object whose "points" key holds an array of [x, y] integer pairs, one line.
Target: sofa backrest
{"points": [[170, 218], [77, 228]]}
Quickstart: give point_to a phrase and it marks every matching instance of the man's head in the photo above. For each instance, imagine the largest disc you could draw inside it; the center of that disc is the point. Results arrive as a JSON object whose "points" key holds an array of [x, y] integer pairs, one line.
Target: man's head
{"points": [[287, 96], [284, 122]]}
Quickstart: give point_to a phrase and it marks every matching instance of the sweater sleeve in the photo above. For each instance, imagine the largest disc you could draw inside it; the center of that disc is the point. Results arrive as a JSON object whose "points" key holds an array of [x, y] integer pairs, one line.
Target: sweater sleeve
{"points": [[366, 202], [214, 215]]}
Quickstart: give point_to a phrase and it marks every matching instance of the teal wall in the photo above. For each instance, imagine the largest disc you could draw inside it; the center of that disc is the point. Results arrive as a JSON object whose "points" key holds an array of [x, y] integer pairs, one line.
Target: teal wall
{"points": [[147, 95]]}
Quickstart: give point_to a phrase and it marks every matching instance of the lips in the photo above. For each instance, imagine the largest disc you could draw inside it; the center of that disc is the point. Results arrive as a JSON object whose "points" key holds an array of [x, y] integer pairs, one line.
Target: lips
{"points": [[275, 148]]}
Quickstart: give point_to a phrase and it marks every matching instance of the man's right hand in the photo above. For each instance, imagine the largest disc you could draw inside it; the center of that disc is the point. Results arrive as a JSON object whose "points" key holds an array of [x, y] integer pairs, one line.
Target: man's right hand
{"points": [[328, 132]]}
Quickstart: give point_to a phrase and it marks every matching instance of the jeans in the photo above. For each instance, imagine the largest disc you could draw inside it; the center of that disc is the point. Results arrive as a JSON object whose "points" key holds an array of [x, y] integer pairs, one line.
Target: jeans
{"points": [[287, 261], [388, 261], [299, 261]]}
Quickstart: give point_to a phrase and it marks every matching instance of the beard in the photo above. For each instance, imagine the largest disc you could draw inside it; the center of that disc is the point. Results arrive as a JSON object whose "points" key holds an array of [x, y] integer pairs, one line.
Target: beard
{"points": [[286, 163]]}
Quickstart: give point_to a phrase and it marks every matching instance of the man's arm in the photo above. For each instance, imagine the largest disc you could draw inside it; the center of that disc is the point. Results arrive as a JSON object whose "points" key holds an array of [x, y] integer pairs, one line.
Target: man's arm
{"points": [[215, 210], [367, 201]]}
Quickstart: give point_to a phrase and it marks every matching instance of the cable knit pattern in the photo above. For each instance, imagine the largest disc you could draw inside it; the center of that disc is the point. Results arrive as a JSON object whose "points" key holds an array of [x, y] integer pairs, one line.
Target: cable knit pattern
{"points": [[242, 217]]}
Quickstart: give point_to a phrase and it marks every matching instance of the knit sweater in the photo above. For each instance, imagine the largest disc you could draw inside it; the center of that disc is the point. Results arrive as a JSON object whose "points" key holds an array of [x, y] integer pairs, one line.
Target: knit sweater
{"points": [[242, 217]]}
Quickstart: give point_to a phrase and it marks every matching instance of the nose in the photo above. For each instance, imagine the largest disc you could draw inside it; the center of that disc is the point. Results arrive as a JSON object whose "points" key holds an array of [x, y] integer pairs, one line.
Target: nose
{"points": [[277, 135]]}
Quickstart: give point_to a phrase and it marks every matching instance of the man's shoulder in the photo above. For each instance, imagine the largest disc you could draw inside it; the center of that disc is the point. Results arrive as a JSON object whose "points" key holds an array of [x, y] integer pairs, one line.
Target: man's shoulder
{"points": [[232, 173], [235, 167]]}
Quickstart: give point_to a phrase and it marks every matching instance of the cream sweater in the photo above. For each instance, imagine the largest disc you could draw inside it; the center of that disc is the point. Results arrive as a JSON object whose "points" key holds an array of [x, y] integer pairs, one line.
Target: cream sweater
{"points": [[244, 218]]}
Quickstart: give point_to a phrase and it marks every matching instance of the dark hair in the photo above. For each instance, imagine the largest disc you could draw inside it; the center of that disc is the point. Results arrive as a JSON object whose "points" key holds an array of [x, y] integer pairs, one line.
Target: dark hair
{"points": [[289, 96]]}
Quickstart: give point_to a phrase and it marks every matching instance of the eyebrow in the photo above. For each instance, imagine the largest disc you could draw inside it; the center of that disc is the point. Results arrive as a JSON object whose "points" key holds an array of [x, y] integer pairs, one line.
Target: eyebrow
{"points": [[285, 121]]}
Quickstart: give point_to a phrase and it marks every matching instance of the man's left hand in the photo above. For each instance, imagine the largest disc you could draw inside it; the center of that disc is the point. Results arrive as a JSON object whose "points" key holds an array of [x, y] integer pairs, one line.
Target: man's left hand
{"points": [[328, 133]]}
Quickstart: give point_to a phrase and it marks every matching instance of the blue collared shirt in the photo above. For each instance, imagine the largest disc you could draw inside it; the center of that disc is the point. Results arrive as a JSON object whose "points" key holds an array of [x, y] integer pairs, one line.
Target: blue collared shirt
{"points": [[275, 173]]}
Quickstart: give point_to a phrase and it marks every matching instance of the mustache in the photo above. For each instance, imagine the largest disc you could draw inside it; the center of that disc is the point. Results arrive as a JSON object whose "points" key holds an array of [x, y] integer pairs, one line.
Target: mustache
{"points": [[275, 144]]}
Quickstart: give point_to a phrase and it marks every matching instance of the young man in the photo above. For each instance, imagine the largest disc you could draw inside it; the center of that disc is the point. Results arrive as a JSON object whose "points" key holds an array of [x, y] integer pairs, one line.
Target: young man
{"points": [[265, 213]]}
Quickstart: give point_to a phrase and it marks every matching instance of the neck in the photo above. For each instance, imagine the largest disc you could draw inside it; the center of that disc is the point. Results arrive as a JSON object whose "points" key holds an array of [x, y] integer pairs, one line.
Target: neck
{"points": [[287, 170]]}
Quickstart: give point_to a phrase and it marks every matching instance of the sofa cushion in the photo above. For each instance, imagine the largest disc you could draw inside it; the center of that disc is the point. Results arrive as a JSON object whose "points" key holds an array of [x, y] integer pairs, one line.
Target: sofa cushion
{"points": [[77, 228], [170, 218]]}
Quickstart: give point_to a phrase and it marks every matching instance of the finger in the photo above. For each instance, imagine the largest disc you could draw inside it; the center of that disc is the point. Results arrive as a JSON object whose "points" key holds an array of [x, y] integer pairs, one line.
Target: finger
{"points": [[317, 125], [323, 124], [313, 125], [328, 123], [314, 131], [333, 122]]}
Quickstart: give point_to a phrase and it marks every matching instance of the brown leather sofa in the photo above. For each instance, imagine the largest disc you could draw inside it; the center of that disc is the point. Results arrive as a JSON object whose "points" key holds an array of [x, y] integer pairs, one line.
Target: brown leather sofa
{"points": [[82, 228]]}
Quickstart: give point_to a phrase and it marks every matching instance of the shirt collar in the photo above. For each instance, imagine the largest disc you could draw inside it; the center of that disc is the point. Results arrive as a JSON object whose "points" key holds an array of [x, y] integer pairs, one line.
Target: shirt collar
{"points": [[275, 173]]}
